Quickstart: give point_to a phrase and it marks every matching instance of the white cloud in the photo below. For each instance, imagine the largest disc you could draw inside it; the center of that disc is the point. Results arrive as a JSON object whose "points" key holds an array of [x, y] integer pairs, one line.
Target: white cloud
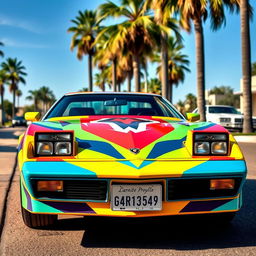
{"points": [[4, 21], [12, 43]]}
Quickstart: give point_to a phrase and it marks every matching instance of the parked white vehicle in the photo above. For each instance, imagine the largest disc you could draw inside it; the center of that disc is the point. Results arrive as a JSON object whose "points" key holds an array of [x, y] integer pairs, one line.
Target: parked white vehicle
{"points": [[227, 116]]}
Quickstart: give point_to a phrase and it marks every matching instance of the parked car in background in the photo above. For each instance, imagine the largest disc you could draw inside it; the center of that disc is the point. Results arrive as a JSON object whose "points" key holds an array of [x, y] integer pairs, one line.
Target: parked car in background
{"points": [[19, 121], [227, 116]]}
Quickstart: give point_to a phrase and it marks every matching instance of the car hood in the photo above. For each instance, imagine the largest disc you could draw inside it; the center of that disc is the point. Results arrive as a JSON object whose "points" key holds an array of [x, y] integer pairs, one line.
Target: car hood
{"points": [[127, 137]]}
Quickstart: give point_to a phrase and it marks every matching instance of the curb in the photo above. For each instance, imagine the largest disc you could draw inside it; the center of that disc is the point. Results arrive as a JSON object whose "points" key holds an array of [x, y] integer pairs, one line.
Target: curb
{"points": [[9, 184]]}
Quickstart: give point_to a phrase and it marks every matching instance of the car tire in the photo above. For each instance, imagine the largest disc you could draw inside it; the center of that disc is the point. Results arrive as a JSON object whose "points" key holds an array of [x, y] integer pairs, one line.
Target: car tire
{"points": [[33, 220]]}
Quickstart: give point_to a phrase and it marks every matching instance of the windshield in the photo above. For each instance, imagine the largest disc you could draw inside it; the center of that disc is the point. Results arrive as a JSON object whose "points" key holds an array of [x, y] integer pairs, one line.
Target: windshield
{"points": [[112, 104], [226, 110]]}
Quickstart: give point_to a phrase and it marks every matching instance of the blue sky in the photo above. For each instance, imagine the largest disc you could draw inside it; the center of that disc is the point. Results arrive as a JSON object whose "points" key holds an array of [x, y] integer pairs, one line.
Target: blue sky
{"points": [[35, 32]]}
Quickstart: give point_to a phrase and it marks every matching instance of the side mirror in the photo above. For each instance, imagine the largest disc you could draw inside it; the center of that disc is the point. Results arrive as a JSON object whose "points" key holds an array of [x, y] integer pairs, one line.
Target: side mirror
{"points": [[32, 116], [193, 117]]}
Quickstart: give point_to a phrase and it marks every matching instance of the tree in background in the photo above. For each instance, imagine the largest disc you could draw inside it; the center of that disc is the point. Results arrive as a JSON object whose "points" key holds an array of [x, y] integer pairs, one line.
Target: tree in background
{"points": [[85, 29], [197, 12], [190, 102], [254, 69], [246, 65], [177, 65], [44, 96], [35, 96], [229, 98], [154, 86], [1, 52], [15, 74], [47, 97], [8, 108], [133, 34], [164, 10], [18, 94], [180, 105], [3, 79]]}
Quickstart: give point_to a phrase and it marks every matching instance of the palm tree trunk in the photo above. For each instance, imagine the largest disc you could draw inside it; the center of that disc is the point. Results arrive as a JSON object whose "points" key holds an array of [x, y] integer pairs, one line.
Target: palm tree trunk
{"points": [[114, 75], [2, 106], [118, 87], [200, 68], [13, 99], [90, 72], [136, 72], [170, 91], [164, 60], [246, 66], [129, 81], [103, 87]]}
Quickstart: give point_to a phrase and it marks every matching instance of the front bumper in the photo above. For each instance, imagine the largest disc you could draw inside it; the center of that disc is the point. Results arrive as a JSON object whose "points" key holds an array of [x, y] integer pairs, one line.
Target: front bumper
{"points": [[68, 171]]}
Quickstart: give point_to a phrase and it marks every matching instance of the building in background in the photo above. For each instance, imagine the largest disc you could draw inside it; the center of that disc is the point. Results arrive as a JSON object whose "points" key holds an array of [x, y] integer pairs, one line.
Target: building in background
{"points": [[253, 95]]}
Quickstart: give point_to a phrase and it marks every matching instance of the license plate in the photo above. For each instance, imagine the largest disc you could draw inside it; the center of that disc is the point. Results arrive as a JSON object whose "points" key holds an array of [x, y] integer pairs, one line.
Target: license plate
{"points": [[136, 197]]}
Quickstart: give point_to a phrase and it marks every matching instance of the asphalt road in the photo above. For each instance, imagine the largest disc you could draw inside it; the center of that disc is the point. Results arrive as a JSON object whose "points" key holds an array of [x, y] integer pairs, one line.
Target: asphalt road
{"points": [[108, 236]]}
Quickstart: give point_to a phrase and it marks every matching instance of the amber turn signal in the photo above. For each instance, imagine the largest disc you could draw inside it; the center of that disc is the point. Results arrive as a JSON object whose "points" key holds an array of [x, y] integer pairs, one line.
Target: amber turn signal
{"points": [[222, 184], [50, 185]]}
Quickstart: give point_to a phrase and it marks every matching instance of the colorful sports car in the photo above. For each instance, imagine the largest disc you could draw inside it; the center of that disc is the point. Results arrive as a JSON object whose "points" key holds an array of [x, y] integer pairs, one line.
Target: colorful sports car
{"points": [[126, 155]]}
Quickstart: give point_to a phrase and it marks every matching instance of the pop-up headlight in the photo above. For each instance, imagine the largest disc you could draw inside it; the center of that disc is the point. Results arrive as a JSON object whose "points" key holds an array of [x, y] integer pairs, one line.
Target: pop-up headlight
{"points": [[54, 144], [210, 144]]}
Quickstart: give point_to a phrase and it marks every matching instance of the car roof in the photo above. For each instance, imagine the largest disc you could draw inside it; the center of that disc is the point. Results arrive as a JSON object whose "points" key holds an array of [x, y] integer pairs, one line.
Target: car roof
{"points": [[109, 92]]}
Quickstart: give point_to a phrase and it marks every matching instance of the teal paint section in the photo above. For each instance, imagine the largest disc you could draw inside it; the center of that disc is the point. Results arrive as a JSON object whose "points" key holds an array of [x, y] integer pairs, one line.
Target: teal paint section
{"points": [[232, 205], [41, 207], [214, 167], [49, 170]]}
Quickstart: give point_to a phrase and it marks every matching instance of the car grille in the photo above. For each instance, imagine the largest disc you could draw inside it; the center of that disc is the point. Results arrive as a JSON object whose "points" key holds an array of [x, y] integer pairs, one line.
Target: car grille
{"points": [[197, 188], [224, 120], [238, 120], [95, 190]]}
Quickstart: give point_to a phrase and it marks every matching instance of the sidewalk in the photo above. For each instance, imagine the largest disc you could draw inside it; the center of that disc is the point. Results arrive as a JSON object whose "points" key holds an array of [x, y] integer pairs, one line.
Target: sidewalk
{"points": [[8, 145], [246, 138]]}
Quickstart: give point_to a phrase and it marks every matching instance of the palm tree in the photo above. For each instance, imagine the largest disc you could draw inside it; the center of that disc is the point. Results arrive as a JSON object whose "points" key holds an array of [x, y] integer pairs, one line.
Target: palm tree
{"points": [[46, 96], [104, 55], [196, 12], [101, 79], [190, 102], [177, 64], [3, 79], [246, 66], [15, 73], [163, 11], [18, 94], [133, 34], [254, 69], [84, 89], [180, 105], [85, 29], [153, 85], [35, 96], [1, 52]]}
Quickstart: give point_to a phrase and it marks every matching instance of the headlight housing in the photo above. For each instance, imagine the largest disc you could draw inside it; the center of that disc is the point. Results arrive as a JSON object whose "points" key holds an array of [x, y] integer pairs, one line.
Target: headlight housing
{"points": [[54, 144], [210, 144]]}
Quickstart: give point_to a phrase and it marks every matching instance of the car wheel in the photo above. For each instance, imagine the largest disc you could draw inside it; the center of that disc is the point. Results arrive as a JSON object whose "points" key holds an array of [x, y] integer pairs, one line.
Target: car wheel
{"points": [[33, 220]]}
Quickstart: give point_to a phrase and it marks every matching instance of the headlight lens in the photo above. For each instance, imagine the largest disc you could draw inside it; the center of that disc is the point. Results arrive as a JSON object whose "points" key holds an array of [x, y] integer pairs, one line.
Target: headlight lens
{"points": [[210, 144], [45, 148], [62, 148], [219, 148], [202, 148], [54, 144]]}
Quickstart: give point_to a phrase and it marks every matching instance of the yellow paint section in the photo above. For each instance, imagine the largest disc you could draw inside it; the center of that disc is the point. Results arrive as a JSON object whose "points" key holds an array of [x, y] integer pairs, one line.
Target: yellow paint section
{"points": [[64, 118], [155, 169]]}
